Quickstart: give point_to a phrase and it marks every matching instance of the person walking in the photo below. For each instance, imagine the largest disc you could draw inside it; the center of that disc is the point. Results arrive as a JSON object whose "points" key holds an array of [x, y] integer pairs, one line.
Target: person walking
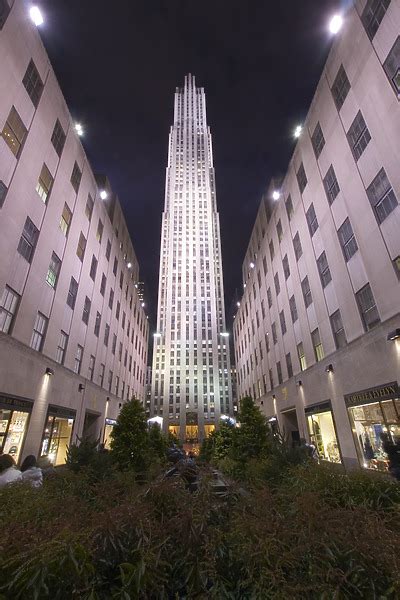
{"points": [[8, 470], [31, 473]]}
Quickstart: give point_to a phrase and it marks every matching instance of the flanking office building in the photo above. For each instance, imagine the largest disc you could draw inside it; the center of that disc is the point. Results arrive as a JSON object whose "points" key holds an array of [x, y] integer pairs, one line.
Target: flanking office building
{"points": [[73, 332], [317, 332]]}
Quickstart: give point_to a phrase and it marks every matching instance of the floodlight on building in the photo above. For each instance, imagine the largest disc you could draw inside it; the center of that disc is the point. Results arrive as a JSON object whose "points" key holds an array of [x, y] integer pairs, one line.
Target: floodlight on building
{"points": [[273, 397], [329, 368], [108, 399], [81, 387], [393, 335], [272, 420], [238, 304], [300, 383], [335, 24], [143, 304], [225, 334], [78, 129], [157, 335], [49, 371], [36, 15], [297, 131], [276, 195], [252, 265], [129, 265], [103, 194]]}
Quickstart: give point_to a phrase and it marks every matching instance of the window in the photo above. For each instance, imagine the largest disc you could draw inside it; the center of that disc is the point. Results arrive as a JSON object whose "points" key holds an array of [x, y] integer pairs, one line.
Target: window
{"points": [[392, 66], [27, 243], [99, 233], [80, 251], [347, 240], [110, 379], [277, 284], [317, 345], [103, 284], [302, 356], [4, 11], [111, 298], [367, 306], [32, 83], [340, 88], [58, 138], [324, 271], [358, 136], [93, 268], [381, 196], [293, 309], [92, 361], [66, 218], [76, 177], [114, 343], [298, 250], [271, 250], [331, 185], [118, 310], [53, 270], [271, 379], [396, 265], [301, 178], [14, 132], [338, 331], [61, 348], [283, 322], [78, 359], [106, 334], [286, 269], [89, 207], [312, 221], [72, 293], [289, 365], [121, 279], [101, 374], [108, 250], [3, 192], [265, 268], [45, 181], [279, 230], [269, 297], [8, 309], [39, 332], [279, 372], [289, 207], [317, 140], [97, 324], [274, 334], [373, 14], [305, 286], [86, 310], [115, 266]]}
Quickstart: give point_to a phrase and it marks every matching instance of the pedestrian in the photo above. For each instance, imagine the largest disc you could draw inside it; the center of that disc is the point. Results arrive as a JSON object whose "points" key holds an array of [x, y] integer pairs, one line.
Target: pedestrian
{"points": [[8, 470], [393, 453], [31, 473]]}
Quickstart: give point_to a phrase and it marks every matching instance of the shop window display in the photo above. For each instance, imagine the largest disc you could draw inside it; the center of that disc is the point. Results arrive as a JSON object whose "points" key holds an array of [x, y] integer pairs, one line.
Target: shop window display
{"points": [[108, 427], [371, 425], [13, 425], [56, 438], [321, 429]]}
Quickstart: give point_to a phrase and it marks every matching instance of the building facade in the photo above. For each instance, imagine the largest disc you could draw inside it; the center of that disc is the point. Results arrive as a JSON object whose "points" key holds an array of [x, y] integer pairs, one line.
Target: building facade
{"points": [[73, 333], [316, 333], [191, 385]]}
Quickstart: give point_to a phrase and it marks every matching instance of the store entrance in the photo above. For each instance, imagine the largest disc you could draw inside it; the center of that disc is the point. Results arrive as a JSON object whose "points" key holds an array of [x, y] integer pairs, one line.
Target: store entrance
{"points": [[90, 427], [290, 426], [57, 434], [14, 419], [322, 432]]}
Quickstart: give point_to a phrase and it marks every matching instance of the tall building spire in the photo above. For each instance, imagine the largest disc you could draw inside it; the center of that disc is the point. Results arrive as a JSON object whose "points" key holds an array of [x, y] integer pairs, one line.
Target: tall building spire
{"points": [[191, 384]]}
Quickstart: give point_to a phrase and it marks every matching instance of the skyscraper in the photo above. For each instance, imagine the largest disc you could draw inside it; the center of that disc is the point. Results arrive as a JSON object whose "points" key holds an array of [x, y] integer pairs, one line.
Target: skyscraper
{"points": [[191, 385]]}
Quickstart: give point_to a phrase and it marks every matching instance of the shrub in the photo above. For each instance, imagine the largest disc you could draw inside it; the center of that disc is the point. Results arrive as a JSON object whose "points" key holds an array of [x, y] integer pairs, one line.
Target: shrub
{"points": [[130, 445]]}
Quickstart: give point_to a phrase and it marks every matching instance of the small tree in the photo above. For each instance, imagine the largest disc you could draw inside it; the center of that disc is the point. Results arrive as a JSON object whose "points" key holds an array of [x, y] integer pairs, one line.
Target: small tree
{"points": [[130, 444], [157, 441], [253, 436]]}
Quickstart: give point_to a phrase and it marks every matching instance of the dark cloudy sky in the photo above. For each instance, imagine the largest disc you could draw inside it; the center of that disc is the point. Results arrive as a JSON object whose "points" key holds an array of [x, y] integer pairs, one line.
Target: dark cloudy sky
{"points": [[118, 63]]}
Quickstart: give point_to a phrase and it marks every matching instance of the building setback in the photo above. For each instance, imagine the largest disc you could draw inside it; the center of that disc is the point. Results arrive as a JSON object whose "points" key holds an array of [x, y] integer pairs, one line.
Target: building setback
{"points": [[191, 385], [73, 334], [314, 333]]}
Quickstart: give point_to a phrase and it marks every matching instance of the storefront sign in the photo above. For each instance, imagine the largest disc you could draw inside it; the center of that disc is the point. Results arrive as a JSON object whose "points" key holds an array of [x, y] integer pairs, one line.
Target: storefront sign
{"points": [[381, 392], [10, 403], [62, 412], [111, 421], [317, 408]]}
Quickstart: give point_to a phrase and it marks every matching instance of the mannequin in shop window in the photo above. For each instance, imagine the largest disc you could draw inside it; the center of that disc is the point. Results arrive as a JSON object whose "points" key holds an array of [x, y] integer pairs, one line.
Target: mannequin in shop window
{"points": [[367, 447]]}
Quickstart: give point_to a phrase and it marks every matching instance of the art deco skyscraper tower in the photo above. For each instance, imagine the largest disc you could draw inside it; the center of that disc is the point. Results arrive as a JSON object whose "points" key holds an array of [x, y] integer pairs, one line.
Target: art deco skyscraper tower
{"points": [[191, 384]]}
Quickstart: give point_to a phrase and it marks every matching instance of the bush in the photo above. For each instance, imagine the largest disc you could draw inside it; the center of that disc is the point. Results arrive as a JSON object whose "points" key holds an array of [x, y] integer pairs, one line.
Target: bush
{"points": [[130, 446]]}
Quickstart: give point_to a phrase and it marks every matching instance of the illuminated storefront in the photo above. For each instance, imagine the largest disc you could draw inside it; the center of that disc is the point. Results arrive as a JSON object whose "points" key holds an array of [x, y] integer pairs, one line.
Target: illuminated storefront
{"points": [[374, 416], [108, 427], [322, 431], [14, 419], [57, 433]]}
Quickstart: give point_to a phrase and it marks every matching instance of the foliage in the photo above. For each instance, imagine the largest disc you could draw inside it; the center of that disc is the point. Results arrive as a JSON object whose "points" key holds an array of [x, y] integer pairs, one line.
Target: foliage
{"points": [[130, 446], [253, 436], [158, 443]]}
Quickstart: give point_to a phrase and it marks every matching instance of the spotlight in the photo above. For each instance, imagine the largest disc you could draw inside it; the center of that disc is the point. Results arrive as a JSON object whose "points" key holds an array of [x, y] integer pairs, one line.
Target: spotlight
{"points": [[273, 397], [108, 399], [329, 368], [129, 265], [36, 15], [276, 195], [103, 194], [49, 371], [225, 334], [393, 335], [238, 304], [297, 131], [81, 387], [299, 383], [78, 129], [335, 24], [157, 335], [143, 304], [252, 265]]}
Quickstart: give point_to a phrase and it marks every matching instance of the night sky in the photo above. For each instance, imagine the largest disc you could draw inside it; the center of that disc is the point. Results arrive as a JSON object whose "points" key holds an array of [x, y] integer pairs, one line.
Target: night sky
{"points": [[118, 64]]}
